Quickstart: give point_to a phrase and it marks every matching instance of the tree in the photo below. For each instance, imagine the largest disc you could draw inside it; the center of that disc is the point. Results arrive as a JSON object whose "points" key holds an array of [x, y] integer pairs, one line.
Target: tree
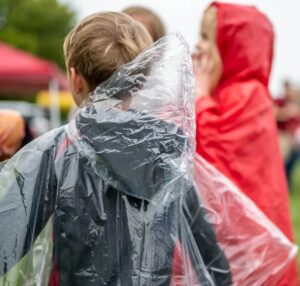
{"points": [[38, 26]]}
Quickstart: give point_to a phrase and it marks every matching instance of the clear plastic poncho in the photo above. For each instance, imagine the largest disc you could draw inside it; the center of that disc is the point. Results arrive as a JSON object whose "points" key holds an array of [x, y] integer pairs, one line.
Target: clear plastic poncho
{"points": [[117, 197]]}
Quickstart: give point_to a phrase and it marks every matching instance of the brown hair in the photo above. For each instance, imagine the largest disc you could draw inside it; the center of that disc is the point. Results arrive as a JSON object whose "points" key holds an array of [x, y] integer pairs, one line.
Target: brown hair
{"points": [[149, 19], [101, 43], [209, 23]]}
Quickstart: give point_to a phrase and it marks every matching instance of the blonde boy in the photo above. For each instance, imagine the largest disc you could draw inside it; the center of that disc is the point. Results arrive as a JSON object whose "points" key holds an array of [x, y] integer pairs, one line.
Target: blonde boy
{"points": [[83, 204]]}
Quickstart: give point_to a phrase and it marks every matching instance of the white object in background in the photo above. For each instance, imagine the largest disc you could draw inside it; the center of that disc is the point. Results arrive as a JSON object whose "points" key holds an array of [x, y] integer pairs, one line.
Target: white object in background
{"points": [[54, 103]]}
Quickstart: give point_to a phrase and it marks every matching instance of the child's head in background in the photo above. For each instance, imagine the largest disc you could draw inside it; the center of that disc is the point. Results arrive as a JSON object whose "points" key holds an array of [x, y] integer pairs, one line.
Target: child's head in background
{"points": [[149, 19], [98, 46]]}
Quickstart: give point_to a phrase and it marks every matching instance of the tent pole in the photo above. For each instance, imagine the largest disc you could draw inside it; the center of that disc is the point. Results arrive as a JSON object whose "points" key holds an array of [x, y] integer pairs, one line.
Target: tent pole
{"points": [[54, 104]]}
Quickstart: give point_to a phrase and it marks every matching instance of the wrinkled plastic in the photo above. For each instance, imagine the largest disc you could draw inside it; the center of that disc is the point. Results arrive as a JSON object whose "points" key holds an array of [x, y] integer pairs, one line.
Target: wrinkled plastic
{"points": [[256, 249], [111, 198]]}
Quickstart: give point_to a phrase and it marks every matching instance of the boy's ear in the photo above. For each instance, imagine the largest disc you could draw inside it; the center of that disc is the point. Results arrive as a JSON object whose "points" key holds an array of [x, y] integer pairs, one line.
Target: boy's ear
{"points": [[79, 86], [76, 81]]}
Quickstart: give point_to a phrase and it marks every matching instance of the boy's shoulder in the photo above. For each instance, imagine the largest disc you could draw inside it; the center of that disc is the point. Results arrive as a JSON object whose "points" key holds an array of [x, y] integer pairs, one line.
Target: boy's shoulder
{"points": [[49, 140], [51, 143]]}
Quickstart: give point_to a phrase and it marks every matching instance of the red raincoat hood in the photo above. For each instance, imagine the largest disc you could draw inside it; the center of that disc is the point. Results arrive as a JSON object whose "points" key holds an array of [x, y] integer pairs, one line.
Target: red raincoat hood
{"points": [[245, 41]]}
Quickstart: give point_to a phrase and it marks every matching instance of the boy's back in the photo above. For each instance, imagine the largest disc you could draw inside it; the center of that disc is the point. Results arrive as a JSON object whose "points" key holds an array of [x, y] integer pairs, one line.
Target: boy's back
{"points": [[106, 199]]}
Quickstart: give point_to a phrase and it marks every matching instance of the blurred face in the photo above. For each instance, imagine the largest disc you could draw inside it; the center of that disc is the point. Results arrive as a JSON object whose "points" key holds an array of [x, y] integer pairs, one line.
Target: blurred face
{"points": [[144, 21], [290, 92], [12, 132], [207, 45]]}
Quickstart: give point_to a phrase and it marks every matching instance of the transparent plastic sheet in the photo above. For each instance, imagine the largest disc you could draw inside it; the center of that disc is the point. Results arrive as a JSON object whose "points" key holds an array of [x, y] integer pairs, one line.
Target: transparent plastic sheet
{"points": [[256, 249], [110, 198]]}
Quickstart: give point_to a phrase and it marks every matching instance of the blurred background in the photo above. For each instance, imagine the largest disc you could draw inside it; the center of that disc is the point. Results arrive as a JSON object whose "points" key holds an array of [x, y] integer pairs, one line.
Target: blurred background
{"points": [[33, 79]]}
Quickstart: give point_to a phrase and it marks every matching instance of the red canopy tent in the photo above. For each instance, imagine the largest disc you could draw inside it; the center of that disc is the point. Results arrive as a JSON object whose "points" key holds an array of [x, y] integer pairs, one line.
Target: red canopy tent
{"points": [[21, 72]]}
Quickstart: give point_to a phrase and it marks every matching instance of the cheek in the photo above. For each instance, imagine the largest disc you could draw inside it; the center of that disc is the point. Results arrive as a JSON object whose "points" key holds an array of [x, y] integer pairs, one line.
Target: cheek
{"points": [[218, 62], [217, 69], [213, 51], [202, 45], [205, 46]]}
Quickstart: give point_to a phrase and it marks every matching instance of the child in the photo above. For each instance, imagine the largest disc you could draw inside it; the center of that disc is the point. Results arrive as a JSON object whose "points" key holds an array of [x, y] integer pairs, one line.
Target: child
{"points": [[149, 19], [12, 132], [106, 200], [236, 130], [287, 114]]}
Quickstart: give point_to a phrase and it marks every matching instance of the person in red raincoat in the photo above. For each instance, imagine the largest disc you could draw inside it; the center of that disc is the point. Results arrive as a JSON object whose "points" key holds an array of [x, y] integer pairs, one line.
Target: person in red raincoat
{"points": [[236, 130]]}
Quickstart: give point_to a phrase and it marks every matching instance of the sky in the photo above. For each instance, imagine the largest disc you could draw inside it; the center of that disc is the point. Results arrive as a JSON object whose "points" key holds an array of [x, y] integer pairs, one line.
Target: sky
{"points": [[184, 16]]}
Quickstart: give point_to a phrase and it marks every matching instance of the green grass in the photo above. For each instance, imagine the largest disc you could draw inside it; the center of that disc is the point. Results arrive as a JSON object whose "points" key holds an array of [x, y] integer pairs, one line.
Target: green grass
{"points": [[295, 205]]}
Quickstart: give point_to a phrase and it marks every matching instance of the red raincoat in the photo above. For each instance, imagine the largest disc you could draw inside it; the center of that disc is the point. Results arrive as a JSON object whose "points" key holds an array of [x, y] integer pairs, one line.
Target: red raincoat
{"points": [[236, 130]]}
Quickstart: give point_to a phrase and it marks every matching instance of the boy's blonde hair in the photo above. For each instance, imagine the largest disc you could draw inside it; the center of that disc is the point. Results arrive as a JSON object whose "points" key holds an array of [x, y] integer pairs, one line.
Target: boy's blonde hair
{"points": [[101, 43], [149, 19]]}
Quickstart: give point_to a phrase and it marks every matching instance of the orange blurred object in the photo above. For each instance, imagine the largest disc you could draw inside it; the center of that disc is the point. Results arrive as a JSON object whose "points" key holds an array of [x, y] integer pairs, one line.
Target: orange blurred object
{"points": [[12, 132]]}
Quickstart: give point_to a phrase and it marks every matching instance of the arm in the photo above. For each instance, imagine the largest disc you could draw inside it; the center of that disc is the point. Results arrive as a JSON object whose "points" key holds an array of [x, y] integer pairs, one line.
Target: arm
{"points": [[213, 257], [27, 197]]}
